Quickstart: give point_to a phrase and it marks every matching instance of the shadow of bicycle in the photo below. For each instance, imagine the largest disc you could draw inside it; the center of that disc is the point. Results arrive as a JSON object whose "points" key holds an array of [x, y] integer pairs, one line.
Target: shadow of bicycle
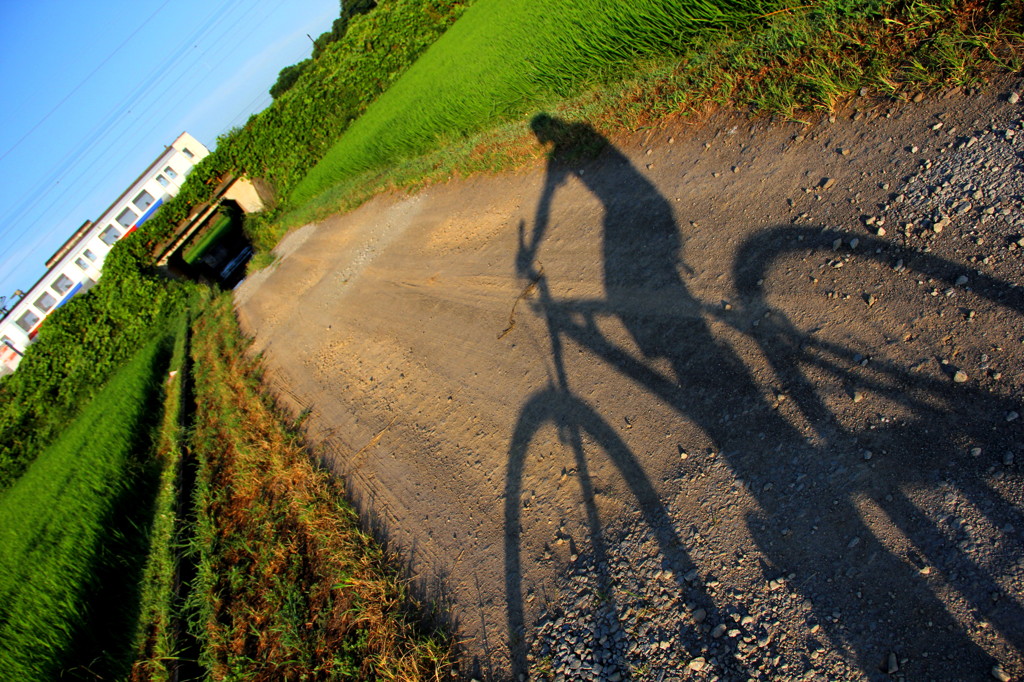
{"points": [[880, 572]]}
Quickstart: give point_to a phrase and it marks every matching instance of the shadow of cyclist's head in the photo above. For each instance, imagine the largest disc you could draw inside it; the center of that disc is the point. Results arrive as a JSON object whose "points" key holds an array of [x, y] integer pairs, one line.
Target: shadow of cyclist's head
{"points": [[569, 140]]}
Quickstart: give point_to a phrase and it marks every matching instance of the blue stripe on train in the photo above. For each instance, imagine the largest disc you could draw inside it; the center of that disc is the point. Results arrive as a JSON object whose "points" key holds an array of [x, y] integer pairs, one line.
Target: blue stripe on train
{"points": [[148, 214], [71, 293]]}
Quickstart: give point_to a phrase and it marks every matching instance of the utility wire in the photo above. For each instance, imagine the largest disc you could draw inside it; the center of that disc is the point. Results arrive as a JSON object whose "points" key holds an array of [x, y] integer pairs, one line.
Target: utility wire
{"points": [[83, 81]]}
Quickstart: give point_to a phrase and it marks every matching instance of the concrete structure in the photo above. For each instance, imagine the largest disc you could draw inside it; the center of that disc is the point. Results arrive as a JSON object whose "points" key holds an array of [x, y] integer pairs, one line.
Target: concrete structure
{"points": [[240, 190], [77, 264]]}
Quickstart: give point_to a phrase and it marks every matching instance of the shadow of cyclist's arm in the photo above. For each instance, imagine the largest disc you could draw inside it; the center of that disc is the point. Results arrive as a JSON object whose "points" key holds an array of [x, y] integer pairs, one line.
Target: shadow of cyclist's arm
{"points": [[527, 254]]}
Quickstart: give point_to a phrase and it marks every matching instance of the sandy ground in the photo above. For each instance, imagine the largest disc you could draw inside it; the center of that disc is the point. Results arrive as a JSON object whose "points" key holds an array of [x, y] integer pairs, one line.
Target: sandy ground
{"points": [[691, 374]]}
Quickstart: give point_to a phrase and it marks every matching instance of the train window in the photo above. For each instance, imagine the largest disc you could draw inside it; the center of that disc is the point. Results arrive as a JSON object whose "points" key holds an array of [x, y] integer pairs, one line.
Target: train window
{"points": [[110, 235], [45, 302], [27, 321], [144, 200], [62, 284], [127, 218]]}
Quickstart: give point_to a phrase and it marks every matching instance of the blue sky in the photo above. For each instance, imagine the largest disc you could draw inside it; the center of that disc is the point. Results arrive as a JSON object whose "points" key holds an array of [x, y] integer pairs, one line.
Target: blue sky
{"points": [[94, 91]]}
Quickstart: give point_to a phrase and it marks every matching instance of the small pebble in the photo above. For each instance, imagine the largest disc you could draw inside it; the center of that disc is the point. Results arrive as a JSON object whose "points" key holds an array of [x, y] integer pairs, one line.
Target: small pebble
{"points": [[960, 376]]}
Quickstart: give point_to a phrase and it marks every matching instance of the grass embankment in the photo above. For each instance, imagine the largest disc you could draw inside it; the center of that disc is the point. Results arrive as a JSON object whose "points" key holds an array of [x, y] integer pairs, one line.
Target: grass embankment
{"points": [[282, 142], [197, 540], [504, 56], [628, 65], [288, 586], [73, 535]]}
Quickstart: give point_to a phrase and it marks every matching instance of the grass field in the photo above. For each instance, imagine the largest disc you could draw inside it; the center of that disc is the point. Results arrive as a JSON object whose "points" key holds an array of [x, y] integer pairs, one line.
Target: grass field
{"points": [[475, 75], [179, 529], [73, 533], [463, 106]]}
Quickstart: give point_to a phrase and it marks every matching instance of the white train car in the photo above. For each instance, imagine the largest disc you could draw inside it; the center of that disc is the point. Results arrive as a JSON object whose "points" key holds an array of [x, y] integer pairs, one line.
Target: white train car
{"points": [[78, 263]]}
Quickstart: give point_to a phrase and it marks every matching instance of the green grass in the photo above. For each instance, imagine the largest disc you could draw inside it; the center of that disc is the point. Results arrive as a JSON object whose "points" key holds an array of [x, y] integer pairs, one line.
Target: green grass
{"points": [[194, 252], [158, 640], [463, 106], [73, 533], [505, 56], [283, 142]]}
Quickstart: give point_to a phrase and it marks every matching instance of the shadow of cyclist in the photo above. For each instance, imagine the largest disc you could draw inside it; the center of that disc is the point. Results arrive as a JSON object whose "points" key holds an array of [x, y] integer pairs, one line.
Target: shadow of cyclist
{"points": [[642, 259], [577, 421], [644, 287]]}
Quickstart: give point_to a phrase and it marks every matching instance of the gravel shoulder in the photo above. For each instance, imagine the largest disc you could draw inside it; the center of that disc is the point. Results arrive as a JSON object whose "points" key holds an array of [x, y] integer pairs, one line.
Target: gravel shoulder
{"points": [[734, 400]]}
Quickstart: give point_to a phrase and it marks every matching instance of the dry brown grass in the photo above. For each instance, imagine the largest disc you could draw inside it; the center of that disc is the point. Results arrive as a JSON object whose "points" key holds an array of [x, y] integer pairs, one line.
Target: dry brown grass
{"points": [[293, 588]]}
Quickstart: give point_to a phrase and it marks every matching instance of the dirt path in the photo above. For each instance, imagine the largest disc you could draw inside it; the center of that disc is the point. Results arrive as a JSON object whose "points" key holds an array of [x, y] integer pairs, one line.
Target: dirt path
{"points": [[684, 410]]}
